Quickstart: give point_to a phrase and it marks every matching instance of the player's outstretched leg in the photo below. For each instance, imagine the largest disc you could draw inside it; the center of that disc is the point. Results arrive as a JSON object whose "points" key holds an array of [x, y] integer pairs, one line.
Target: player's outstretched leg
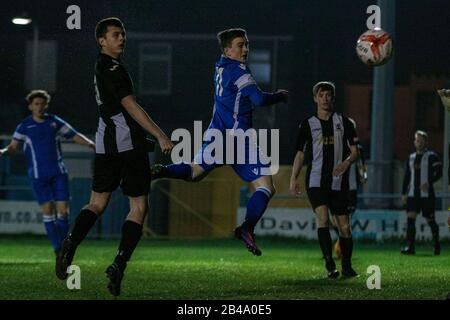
{"points": [[64, 258], [248, 237], [84, 222], [256, 206], [158, 171], [131, 234], [181, 171]]}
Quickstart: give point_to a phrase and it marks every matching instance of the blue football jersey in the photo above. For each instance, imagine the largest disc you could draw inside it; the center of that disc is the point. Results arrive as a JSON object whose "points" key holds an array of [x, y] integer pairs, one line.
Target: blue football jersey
{"points": [[235, 94], [41, 144]]}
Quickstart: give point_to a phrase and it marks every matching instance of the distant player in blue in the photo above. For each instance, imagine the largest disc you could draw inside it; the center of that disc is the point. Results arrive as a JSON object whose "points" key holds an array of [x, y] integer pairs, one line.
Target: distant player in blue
{"points": [[40, 134], [235, 95]]}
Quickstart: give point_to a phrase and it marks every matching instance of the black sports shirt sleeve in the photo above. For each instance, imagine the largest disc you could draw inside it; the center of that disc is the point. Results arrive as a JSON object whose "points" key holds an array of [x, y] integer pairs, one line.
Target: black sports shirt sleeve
{"points": [[350, 132], [304, 136], [435, 167]]}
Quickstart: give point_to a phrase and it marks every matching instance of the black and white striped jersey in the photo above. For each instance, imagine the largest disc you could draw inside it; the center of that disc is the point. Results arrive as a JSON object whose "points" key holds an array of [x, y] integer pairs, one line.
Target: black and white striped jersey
{"points": [[326, 143], [420, 169], [117, 131]]}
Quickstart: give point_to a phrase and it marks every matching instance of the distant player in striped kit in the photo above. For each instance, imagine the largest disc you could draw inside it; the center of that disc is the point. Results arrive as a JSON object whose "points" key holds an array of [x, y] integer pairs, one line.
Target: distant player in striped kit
{"points": [[423, 169], [41, 134], [329, 140]]}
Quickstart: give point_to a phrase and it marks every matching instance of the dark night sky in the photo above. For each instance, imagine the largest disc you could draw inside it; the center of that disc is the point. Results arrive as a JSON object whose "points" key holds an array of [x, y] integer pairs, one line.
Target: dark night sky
{"points": [[324, 35], [422, 27]]}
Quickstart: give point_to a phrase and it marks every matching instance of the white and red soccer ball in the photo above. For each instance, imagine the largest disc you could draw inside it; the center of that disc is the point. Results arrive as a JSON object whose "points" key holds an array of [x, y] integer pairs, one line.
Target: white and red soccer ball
{"points": [[374, 47]]}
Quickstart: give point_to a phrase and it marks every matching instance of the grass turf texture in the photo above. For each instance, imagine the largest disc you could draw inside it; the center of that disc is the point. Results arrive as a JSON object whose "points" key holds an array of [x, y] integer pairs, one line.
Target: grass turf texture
{"points": [[222, 269]]}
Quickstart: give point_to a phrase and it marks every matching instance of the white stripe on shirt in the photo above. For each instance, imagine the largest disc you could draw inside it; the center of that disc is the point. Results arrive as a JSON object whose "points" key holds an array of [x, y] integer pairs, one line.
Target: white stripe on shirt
{"points": [[33, 156], [244, 80], [236, 110]]}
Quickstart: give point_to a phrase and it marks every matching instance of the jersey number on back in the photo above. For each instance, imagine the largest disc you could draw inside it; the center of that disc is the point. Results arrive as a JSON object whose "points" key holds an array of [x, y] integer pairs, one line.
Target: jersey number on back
{"points": [[219, 88]]}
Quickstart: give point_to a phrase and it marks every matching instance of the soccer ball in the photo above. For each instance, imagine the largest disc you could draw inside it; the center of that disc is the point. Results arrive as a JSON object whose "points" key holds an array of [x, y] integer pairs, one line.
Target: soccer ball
{"points": [[374, 47]]}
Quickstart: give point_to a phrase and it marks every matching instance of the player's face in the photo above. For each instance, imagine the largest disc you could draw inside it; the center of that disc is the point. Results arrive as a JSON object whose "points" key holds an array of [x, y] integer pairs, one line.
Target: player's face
{"points": [[113, 43], [239, 49], [324, 100], [38, 107], [420, 143]]}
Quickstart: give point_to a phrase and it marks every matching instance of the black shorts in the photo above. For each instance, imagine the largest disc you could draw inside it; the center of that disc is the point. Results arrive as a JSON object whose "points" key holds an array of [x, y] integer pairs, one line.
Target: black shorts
{"points": [[352, 198], [424, 205], [336, 201], [129, 169]]}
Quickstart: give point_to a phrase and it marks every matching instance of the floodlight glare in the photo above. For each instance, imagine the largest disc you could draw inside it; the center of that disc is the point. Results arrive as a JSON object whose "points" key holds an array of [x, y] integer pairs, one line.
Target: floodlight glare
{"points": [[21, 21]]}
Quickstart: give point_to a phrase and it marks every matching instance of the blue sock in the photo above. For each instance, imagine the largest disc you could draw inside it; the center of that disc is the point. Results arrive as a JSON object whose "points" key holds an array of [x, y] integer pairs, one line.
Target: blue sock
{"points": [[179, 171], [52, 232], [62, 222], [256, 206]]}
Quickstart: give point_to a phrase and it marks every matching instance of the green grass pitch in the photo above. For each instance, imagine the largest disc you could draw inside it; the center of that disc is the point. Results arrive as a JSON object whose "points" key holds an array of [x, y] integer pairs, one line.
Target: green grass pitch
{"points": [[222, 269]]}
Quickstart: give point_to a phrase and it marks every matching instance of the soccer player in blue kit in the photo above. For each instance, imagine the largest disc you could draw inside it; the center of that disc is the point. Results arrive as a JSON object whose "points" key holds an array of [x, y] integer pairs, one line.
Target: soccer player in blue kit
{"points": [[235, 94], [40, 134]]}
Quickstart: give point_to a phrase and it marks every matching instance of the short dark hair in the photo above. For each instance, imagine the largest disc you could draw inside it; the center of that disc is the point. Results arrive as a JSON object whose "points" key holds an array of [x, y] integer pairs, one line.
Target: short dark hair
{"points": [[38, 94], [102, 26], [226, 37], [324, 86], [422, 134]]}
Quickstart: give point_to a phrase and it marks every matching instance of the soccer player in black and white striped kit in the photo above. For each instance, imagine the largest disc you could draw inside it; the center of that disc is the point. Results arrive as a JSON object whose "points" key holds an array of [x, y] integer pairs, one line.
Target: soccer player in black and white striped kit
{"points": [[423, 169], [329, 140], [121, 154]]}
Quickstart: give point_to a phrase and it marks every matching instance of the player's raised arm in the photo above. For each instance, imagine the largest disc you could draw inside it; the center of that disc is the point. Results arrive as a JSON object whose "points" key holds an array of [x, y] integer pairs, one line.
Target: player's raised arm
{"points": [[146, 122], [260, 98]]}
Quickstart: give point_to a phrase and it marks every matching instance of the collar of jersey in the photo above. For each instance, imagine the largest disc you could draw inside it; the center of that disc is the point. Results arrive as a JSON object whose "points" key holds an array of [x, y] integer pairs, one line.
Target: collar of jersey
{"points": [[105, 56], [225, 60]]}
